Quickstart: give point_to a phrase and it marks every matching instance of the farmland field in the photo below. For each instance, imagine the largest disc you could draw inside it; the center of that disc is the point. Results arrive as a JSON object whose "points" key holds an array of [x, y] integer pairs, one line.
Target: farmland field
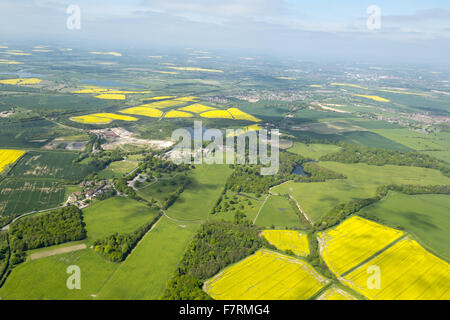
{"points": [[278, 212], [354, 241], [56, 165], [407, 272], [46, 278], [266, 275], [425, 216], [20, 196], [117, 214], [313, 151], [288, 240], [335, 294], [318, 198], [8, 157], [118, 169]]}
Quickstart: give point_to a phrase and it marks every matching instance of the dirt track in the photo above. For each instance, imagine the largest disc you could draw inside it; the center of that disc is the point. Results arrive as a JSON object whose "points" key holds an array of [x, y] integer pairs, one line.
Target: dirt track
{"points": [[55, 252]]}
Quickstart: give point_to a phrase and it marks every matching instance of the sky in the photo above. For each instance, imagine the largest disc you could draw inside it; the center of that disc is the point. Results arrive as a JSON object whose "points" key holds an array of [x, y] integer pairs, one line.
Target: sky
{"points": [[409, 30]]}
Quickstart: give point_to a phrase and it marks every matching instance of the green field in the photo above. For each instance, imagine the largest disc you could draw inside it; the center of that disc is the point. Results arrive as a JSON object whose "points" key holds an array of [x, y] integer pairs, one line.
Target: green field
{"points": [[118, 169], [160, 190], [418, 141], [45, 278], [279, 213], [318, 198], [424, 216], [55, 165], [117, 214], [20, 196], [154, 260], [313, 151]]}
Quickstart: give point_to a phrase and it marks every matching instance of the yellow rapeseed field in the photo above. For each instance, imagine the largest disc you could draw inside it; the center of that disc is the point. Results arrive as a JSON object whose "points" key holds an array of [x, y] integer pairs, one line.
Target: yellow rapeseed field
{"points": [[288, 240], [238, 132], [4, 61], [112, 96], [217, 114], [266, 275], [197, 108], [404, 92], [353, 241], [9, 156], [177, 114], [111, 53], [407, 272], [315, 86], [102, 118], [21, 81], [143, 111], [374, 98], [17, 53], [97, 90], [335, 294], [163, 104], [241, 115]]}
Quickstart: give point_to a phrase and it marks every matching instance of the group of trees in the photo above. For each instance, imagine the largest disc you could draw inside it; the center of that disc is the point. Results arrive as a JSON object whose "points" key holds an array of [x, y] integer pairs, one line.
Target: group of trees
{"points": [[316, 173], [380, 157], [248, 178], [63, 225], [117, 247], [216, 245]]}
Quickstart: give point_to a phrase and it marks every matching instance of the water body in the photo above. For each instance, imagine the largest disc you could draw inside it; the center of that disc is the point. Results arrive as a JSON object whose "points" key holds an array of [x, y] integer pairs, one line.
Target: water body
{"points": [[108, 83], [298, 170]]}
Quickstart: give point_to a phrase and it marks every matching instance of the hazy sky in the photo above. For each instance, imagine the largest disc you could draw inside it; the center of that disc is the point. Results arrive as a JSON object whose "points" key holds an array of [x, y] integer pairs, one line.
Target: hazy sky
{"points": [[410, 30]]}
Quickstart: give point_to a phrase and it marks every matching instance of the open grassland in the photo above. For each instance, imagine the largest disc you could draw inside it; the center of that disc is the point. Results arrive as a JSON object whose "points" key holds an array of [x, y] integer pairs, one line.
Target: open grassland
{"points": [[144, 274], [45, 279], [143, 111], [55, 165], [408, 272], [160, 190], [278, 212], [418, 141], [313, 151], [8, 157], [335, 294], [318, 198], [155, 259], [197, 108], [425, 216], [117, 214], [241, 115], [288, 240], [118, 169], [266, 275], [19, 196], [354, 241]]}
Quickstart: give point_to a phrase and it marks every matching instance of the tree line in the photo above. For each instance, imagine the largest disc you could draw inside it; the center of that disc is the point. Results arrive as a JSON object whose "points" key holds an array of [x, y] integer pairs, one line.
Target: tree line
{"points": [[216, 245]]}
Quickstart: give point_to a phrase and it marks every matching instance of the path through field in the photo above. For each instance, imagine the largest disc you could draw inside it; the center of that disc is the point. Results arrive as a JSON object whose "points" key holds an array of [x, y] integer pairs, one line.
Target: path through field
{"points": [[55, 252]]}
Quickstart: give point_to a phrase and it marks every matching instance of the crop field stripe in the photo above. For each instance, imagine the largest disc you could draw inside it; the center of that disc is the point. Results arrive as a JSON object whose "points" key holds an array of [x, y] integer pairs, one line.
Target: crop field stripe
{"points": [[374, 255]]}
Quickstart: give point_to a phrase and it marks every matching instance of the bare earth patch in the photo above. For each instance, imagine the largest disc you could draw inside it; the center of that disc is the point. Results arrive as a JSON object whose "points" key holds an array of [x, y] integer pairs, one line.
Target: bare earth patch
{"points": [[55, 252]]}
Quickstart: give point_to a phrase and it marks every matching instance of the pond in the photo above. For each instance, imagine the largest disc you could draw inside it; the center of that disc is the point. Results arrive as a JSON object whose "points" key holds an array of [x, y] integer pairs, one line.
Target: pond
{"points": [[298, 170]]}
